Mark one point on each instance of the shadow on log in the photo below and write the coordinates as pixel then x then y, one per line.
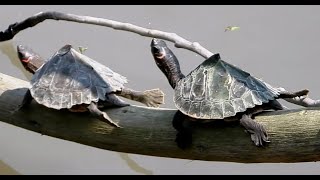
pixel 294 134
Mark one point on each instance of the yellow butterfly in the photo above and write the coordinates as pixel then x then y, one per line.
pixel 82 49
pixel 231 28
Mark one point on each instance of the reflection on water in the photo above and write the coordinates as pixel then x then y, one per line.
pixel 133 165
pixel 8 49
pixel 6 169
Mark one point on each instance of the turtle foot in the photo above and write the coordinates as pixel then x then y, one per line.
pixel 103 116
pixel 153 97
pixel 183 140
pixel 259 139
pixel 108 120
pixel 257 132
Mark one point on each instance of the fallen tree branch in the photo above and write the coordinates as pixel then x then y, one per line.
pixel 295 134
pixel 178 41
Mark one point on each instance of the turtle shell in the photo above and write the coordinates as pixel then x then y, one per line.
pixel 69 78
pixel 217 89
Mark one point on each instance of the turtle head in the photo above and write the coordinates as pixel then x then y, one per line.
pixel 30 60
pixel 158 48
pixel 166 61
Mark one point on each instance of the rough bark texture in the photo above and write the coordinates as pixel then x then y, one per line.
pixel 294 135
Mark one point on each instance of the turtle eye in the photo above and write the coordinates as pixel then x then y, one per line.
pixel 20 55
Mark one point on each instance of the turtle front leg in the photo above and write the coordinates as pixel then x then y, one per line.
pixel 184 127
pixel 258 133
pixel 103 116
pixel 152 98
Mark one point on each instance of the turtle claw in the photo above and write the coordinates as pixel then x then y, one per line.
pixel 259 139
pixel 103 116
pixel 108 120
pixel 257 132
pixel 153 97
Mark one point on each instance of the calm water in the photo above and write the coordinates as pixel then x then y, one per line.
pixel 279 44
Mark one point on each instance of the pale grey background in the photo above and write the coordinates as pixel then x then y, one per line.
pixel 279 44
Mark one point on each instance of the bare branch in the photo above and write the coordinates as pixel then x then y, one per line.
pixel 178 41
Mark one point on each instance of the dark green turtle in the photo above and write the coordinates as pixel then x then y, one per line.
pixel 217 90
pixel 71 80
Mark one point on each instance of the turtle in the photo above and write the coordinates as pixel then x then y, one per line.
pixel 217 90
pixel 73 81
